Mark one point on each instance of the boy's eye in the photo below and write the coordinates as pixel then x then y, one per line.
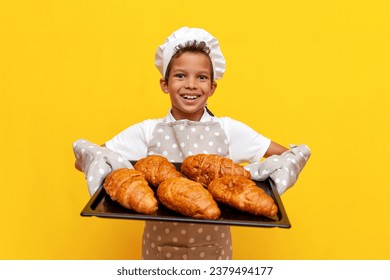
pixel 203 77
pixel 180 76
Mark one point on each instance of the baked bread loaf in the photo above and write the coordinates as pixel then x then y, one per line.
pixel 157 169
pixel 204 168
pixel 242 194
pixel 188 198
pixel 129 188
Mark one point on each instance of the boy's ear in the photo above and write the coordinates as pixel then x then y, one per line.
pixel 213 88
pixel 163 85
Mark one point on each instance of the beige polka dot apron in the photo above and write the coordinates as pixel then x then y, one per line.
pixel 182 241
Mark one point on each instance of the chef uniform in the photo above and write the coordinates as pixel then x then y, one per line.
pixel 175 140
pixel 164 240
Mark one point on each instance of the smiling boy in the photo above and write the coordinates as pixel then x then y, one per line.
pixel 189 61
pixel 189 81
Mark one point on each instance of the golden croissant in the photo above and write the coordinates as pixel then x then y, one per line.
pixel 204 168
pixel 188 198
pixel 157 169
pixel 242 194
pixel 129 188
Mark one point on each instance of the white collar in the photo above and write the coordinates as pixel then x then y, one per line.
pixel 205 117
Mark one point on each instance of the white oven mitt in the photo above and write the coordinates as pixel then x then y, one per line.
pixel 97 162
pixel 282 169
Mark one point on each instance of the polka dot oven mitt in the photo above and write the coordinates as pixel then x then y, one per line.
pixel 282 169
pixel 97 162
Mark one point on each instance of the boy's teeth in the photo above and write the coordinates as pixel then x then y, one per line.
pixel 190 96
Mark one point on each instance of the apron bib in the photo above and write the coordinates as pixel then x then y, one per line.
pixel 182 241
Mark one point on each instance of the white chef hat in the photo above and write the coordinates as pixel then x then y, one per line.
pixel 181 36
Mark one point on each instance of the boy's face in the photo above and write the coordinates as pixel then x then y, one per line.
pixel 189 85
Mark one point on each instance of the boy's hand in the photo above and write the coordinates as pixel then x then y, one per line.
pixel 96 162
pixel 282 169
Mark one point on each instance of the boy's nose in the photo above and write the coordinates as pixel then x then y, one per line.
pixel 191 83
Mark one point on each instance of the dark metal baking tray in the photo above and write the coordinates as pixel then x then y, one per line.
pixel 101 205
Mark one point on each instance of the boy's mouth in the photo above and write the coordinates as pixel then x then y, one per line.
pixel 190 96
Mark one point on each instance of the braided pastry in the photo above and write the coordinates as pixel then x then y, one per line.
pixel 204 168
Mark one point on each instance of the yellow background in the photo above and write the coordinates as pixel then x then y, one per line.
pixel 313 72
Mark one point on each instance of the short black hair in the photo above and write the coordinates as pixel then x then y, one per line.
pixel 189 46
